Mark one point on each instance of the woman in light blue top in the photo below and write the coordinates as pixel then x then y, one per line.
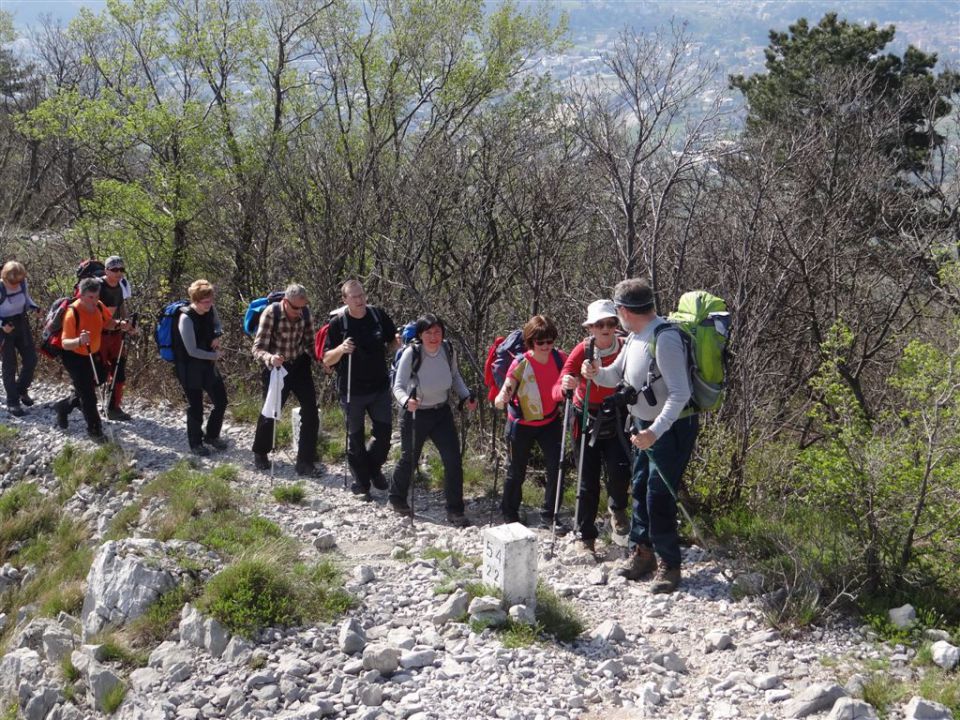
pixel 15 303
pixel 426 372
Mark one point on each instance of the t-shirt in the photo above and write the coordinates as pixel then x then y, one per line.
pixel 91 321
pixel 112 297
pixel 369 372
pixel 536 398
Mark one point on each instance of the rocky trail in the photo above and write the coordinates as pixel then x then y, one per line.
pixel 402 651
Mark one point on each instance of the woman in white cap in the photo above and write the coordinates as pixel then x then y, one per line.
pixel 610 446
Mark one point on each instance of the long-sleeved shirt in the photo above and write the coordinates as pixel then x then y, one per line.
pixel 671 387
pixel 433 380
pixel 289 338
pixel 188 336
pixel 15 302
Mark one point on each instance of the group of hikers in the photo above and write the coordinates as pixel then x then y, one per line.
pixel 626 384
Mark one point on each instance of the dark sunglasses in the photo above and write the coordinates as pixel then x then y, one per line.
pixel 605 324
pixel 117 270
pixel 543 342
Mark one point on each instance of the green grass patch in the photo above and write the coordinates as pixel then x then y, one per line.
pixel 557 617
pixel 270 589
pixel 115 648
pixel 202 507
pixel 124 522
pixel 8 435
pixel 114 699
pixel 101 468
pixel 70 672
pixel 518 635
pixel 290 494
pixel 882 691
pixel 160 619
pixel 9 711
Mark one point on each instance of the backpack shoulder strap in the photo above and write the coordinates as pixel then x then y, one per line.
pixel 417 360
pixel 450 352
pixel 557 358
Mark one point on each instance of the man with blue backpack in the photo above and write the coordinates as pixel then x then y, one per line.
pixel 358 339
pixel 284 339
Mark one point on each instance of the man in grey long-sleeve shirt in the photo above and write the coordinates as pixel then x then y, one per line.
pixel 654 362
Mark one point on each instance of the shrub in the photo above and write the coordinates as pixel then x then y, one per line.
pixel 290 494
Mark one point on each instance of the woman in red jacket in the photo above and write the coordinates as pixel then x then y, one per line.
pixel 610 447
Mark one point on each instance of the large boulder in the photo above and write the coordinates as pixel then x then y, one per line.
pixel 20 665
pixel 126 578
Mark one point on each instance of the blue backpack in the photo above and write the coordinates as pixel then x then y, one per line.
pixel 167 325
pixel 251 318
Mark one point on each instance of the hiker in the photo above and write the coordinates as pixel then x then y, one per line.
pixel 357 342
pixel 534 416
pixel 429 365
pixel 197 349
pixel 663 439
pixel 114 290
pixel 285 339
pixel 83 324
pixel 15 303
pixel 610 447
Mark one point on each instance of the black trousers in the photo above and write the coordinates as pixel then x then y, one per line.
pixel 299 381
pixel 211 383
pixel 609 453
pixel 84 387
pixel 520 439
pixel 366 459
pixel 20 340
pixel 435 424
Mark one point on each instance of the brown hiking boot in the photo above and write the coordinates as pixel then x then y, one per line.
pixel 642 562
pixel 666 581
pixel 619 521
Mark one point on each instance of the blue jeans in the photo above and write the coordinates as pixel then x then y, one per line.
pixel 654 503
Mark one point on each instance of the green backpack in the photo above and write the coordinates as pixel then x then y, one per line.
pixel 704 323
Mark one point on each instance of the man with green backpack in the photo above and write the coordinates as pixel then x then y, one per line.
pixel 666 373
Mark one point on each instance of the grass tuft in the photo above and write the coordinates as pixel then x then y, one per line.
pixel 114 699
pixel 290 494
pixel 557 617
pixel 518 635
pixel 160 619
pixel 101 468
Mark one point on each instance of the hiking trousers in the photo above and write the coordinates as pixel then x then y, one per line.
pixel 435 424
pixel 299 381
pixel 654 504
pixel 367 459
pixel 211 383
pixel 20 340
pixel 611 454
pixel 520 440
pixel 84 388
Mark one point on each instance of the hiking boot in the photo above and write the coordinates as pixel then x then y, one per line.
pixel 118 414
pixel 216 443
pixel 400 507
pixel 642 562
pixel 63 410
pixel 458 519
pixel 619 521
pixel 308 469
pixel 15 410
pixel 379 480
pixel 200 450
pixel 546 523
pixel 587 546
pixel 97 436
pixel 362 493
pixel 26 400
pixel 261 462
pixel 667 580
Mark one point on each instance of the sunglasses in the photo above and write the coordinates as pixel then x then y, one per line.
pixel 543 342
pixel 601 324
pixel 117 270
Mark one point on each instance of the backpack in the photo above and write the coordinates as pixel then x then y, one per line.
pixel 320 339
pixel 167 325
pixel 90 268
pixel 51 337
pixel 704 325
pixel 499 357
pixel 251 318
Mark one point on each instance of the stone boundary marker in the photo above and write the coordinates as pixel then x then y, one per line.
pixel 510 563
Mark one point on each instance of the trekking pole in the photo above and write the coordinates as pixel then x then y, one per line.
pixel 116 369
pixel 346 423
pixel 563 446
pixel 273 445
pixel 415 461
pixel 496 463
pixel 591 347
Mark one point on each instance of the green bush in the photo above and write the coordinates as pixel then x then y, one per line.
pixel 268 590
